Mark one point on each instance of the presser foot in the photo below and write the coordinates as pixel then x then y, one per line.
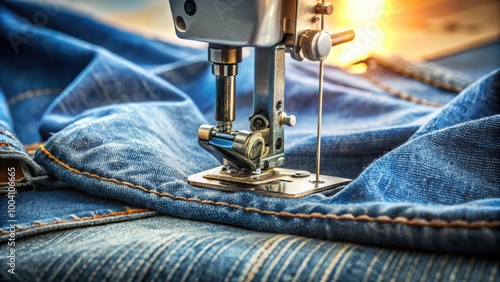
pixel 278 182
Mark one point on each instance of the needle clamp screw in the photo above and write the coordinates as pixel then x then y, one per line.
pixel 288 120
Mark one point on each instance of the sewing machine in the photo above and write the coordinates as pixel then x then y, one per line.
pixel 252 159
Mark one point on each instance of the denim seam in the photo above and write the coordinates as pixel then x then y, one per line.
pixel 6 144
pixel 348 217
pixel 418 76
pixel 39 224
pixel 32 146
pixel 7 133
pixel 32 93
pixel 399 94
pixel 7 147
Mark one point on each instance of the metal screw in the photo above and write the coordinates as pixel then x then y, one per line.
pixel 258 124
pixel 324 9
pixel 288 120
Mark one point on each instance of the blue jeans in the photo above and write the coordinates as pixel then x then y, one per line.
pixel 116 117
pixel 163 248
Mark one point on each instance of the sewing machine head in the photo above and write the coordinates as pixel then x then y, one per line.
pixel 274 27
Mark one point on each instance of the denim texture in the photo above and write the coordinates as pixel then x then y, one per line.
pixel 486 55
pixel 48 210
pixel 117 115
pixel 170 249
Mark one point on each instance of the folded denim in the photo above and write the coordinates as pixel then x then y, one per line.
pixel 118 115
pixel 163 248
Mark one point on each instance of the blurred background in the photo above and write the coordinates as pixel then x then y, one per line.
pixel 415 29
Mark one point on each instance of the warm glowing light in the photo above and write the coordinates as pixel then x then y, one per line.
pixel 363 10
pixel 359 68
pixel 371 21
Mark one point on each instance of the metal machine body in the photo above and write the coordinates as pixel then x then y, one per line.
pixel 251 159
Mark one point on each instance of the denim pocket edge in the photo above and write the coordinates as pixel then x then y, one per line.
pixel 81 219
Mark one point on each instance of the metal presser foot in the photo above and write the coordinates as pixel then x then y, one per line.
pixel 280 182
pixel 252 159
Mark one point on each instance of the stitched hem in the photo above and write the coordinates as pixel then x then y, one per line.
pixel 33 93
pixel 386 62
pixel 39 224
pixel 4 144
pixel 399 94
pixel 31 148
pixel 344 217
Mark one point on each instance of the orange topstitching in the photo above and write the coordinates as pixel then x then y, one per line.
pixel 348 217
pixel 75 219
pixel 4 144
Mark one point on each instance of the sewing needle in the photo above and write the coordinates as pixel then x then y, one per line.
pixel 320 109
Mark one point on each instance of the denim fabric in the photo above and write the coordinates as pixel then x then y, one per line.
pixel 169 249
pixel 48 210
pixel 13 153
pixel 475 62
pixel 118 116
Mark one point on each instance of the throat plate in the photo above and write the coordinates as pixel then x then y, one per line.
pixel 278 182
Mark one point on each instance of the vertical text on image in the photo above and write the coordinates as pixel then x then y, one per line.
pixel 11 212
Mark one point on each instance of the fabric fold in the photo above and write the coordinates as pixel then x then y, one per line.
pixel 118 116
